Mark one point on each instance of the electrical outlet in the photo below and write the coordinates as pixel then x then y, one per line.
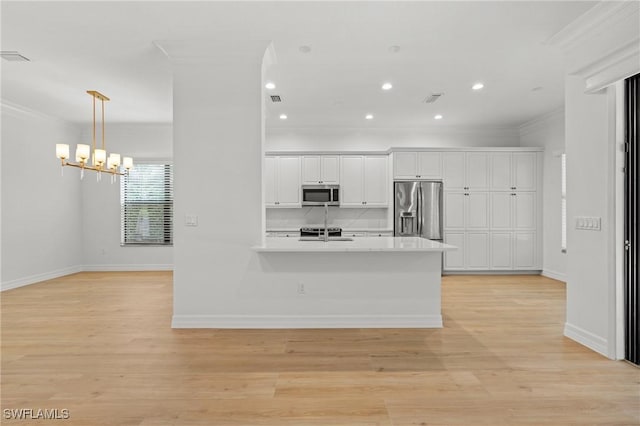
pixel 191 220
pixel 301 289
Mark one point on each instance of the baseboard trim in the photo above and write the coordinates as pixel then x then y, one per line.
pixel 306 321
pixel 493 272
pixel 554 275
pixel 32 279
pixel 586 338
pixel 128 268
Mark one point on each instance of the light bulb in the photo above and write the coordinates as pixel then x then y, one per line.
pixel 62 151
pixel 100 156
pixel 127 162
pixel 82 153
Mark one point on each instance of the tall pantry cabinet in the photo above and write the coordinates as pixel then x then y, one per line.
pixel 491 204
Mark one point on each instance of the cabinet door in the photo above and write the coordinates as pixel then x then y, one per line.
pixel 477 250
pixel 454 260
pixel 311 170
pixel 430 165
pixel 454 210
pixel 376 181
pixel 501 171
pixel 524 250
pixel 477 210
pixel 524 171
pixel 352 181
pixel 501 210
pixel 477 171
pixel 453 166
pixel 405 165
pixel 501 250
pixel 524 210
pixel 288 188
pixel 270 180
pixel 330 169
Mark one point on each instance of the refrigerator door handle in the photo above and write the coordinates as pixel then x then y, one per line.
pixel 419 210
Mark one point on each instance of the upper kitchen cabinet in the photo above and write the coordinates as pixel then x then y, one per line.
pixel 513 171
pixel 282 181
pixel 465 171
pixel 320 169
pixel 417 165
pixel 364 181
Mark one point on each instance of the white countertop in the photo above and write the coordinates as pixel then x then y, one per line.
pixel 385 244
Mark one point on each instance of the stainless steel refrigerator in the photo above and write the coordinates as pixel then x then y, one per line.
pixel 418 209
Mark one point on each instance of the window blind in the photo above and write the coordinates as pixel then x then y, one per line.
pixel 563 159
pixel 146 202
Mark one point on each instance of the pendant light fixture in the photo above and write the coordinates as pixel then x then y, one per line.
pixel 99 161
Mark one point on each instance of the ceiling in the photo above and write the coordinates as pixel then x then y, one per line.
pixel 443 47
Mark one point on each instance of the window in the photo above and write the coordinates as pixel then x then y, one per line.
pixel 563 159
pixel 146 204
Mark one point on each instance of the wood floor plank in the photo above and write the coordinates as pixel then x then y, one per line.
pixel 101 346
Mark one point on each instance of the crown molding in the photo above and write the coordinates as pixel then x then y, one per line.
pixel 426 129
pixel 22 111
pixel 599 18
pixel 541 121
pixel 617 65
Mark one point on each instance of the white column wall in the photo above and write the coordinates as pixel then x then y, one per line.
pixel 41 210
pixel 218 177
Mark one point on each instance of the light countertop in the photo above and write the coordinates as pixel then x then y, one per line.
pixel 378 244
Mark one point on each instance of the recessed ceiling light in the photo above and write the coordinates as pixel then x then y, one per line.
pixel 387 86
pixel 283 116
pixel 477 86
pixel 438 116
pixel 304 49
pixel 270 85
pixel 394 49
pixel 369 116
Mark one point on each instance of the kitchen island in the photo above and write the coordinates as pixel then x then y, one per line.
pixel 386 282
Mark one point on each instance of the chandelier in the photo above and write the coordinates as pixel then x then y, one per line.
pixel 99 161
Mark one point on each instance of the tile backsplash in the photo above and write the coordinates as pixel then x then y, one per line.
pixel 343 217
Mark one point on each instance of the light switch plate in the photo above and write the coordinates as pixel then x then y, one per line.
pixel 191 220
pixel 588 223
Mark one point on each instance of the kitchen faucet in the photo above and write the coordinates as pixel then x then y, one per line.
pixel 326 227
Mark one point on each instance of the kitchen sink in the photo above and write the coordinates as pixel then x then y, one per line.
pixel 322 239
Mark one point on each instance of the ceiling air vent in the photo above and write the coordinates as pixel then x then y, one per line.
pixel 275 98
pixel 432 98
pixel 12 55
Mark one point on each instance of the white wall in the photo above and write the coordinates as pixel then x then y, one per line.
pixel 547 132
pixel 602 47
pixel 374 139
pixel 41 210
pixel 101 201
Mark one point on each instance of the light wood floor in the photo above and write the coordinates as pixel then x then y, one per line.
pixel 101 346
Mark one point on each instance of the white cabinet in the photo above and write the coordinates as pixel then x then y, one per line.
pixel 320 169
pixel 513 171
pixel 513 210
pixel 417 165
pixel 466 210
pixel 364 181
pixel 514 250
pixel 380 234
pixel 465 171
pixel 282 181
pixel 284 234
pixel 472 252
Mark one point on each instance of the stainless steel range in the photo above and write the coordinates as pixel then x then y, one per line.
pixel 318 231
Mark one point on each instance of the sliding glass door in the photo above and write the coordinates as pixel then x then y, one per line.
pixel 632 293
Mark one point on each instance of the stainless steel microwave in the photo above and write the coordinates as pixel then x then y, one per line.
pixel 319 195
